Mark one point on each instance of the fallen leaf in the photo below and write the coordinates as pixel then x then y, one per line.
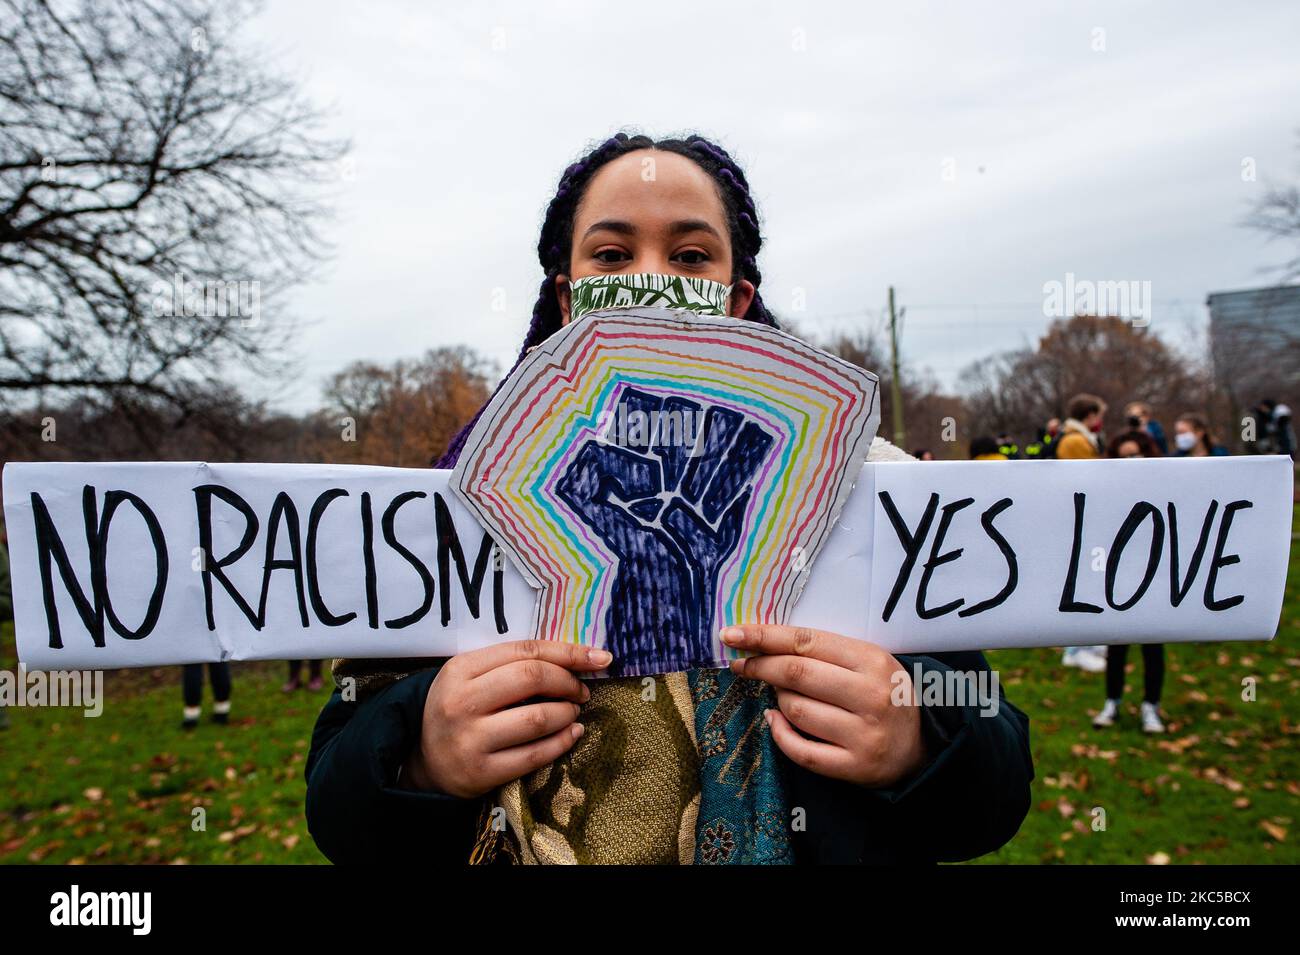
pixel 1274 830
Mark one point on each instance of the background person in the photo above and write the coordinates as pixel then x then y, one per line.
pixel 1138 416
pixel 6 603
pixel 1134 444
pixel 1081 441
pixel 985 448
pixel 1043 447
pixel 1081 431
pixel 295 676
pixel 1192 437
pixel 192 692
pixel 1275 433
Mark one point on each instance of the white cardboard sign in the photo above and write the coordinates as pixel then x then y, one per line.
pixel 127 564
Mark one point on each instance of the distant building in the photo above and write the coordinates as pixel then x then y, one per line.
pixel 1255 345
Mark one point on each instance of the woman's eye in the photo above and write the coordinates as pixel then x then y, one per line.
pixel 693 257
pixel 611 256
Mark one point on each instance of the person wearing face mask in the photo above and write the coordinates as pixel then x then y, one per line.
pixel 1137 414
pixel 504 754
pixel 1192 437
pixel 1081 431
pixel 1136 443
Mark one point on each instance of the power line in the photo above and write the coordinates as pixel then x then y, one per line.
pixel 1034 305
pixel 1183 317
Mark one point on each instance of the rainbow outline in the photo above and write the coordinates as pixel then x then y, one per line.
pixel 822 411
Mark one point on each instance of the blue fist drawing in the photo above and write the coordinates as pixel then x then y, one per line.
pixel 668 498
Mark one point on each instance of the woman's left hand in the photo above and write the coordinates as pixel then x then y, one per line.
pixel 839 691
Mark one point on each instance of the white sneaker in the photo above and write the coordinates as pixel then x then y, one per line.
pixel 1151 719
pixel 1069 657
pixel 1089 660
pixel 1106 717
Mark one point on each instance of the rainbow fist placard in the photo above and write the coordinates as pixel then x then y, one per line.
pixel 658 475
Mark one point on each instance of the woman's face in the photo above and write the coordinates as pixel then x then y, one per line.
pixel 1186 427
pixel 652 211
pixel 1129 449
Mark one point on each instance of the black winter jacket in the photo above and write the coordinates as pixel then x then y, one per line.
pixel 969 800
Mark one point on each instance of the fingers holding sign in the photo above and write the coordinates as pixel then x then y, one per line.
pixel 495 714
pixel 836 715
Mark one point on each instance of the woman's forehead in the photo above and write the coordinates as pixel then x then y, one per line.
pixel 651 185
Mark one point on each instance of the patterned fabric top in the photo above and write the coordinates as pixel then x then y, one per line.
pixel 742 818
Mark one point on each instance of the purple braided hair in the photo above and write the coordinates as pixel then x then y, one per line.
pixel 554 245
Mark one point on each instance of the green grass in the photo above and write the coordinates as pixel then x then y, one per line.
pixel 1219 787
pixel 123 787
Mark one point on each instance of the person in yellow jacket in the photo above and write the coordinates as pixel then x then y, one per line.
pixel 1081 432
pixel 1080 440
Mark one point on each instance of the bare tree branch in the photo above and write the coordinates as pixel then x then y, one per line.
pixel 157 185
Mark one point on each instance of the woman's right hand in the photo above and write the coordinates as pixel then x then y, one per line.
pixel 495 714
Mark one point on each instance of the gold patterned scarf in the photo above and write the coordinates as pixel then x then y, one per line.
pixel 627 792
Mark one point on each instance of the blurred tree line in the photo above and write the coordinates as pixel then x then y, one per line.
pixel 401 414
pixel 1110 357
pixel 1017 391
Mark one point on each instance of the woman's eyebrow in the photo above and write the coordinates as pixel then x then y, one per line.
pixel 683 226
pixel 611 225
pixel 680 227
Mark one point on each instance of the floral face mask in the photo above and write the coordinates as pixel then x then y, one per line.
pixel 594 292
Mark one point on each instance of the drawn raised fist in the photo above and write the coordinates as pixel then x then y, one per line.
pixel 666 489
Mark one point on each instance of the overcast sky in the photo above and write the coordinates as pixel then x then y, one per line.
pixel 1117 163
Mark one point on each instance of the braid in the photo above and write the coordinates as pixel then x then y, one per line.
pixel 554 245
pixel 742 215
pixel 556 239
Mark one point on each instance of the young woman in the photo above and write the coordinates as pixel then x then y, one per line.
pixel 1192 437
pixel 796 754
